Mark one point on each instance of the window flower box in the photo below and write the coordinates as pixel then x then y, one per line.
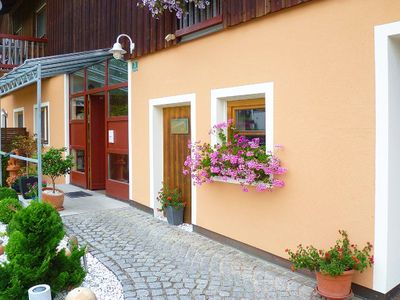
pixel 235 159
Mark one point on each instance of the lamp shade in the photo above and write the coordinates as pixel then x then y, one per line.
pixel 117 50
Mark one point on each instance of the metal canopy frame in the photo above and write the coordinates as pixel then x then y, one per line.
pixel 33 71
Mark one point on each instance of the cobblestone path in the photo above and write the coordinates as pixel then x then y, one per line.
pixel 156 261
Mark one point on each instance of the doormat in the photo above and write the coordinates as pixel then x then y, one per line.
pixel 77 194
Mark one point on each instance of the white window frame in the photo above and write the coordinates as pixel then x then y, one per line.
pixel 15 111
pixel 4 117
pixel 44 104
pixel 38 11
pixel 220 98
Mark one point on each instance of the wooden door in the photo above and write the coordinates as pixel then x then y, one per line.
pixel 176 137
pixel 117 150
pixel 96 142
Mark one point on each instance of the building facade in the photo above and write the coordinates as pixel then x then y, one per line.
pixel 319 77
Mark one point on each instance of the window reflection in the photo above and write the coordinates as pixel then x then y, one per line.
pixel 117 71
pixel 78 108
pixel 95 76
pixel 118 102
pixel 79 160
pixel 77 81
pixel 118 167
pixel 250 119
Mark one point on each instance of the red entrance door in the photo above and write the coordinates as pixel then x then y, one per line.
pixel 117 177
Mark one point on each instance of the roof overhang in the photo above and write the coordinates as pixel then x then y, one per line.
pixel 37 68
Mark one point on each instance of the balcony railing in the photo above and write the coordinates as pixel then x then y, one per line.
pixel 15 49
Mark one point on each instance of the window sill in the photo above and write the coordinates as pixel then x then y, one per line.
pixel 199 26
pixel 233 181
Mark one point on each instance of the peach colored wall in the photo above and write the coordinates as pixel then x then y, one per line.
pixel 52 92
pixel 320 57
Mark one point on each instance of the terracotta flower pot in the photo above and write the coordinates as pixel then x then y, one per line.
pixel 335 288
pixel 56 200
pixel 1 249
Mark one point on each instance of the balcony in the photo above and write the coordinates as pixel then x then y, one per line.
pixel 15 49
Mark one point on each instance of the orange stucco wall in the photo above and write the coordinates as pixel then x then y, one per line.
pixel 53 93
pixel 320 57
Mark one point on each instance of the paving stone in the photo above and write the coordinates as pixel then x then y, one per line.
pixel 156 261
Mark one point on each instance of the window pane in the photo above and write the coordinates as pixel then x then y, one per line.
pixel 78 108
pixel 79 160
pixel 250 119
pixel 45 124
pixel 117 71
pixel 118 102
pixel 76 82
pixel 19 119
pixel 41 23
pixel 95 76
pixel 118 167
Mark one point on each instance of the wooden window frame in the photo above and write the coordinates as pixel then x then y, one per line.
pixel 232 106
pixel 217 19
pixel 41 9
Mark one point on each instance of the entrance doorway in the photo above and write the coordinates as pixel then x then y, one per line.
pixel 96 144
pixel 176 135
pixel 99 128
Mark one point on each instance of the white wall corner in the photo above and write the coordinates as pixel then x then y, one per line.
pixel 130 131
pixel 66 121
pixel 386 274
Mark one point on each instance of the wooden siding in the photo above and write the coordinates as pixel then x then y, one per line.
pixel 82 25
pixel 239 11
pixel 8 135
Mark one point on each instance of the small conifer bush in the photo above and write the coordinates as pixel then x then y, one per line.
pixel 8 208
pixel 6 192
pixel 34 234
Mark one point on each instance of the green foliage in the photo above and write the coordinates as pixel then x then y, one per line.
pixel 169 197
pixel 55 165
pixel 334 262
pixel 6 192
pixel 4 170
pixel 27 146
pixel 34 234
pixel 8 208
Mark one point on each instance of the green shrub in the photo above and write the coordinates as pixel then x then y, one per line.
pixel 8 208
pixel 4 164
pixel 34 234
pixel 6 192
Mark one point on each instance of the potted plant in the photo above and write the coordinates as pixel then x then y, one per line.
pixel 32 190
pixel 25 145
pixel 55 165
pixel 334 268
pixel 172 204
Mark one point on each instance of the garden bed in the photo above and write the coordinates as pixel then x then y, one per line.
pixel 99 279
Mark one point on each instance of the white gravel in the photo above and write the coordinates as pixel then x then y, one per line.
pixel 99 279
pixel 3 258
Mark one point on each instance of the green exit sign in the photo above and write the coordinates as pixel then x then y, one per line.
pixel 135 66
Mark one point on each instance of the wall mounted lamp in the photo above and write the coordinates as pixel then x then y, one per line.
pixel 117 50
